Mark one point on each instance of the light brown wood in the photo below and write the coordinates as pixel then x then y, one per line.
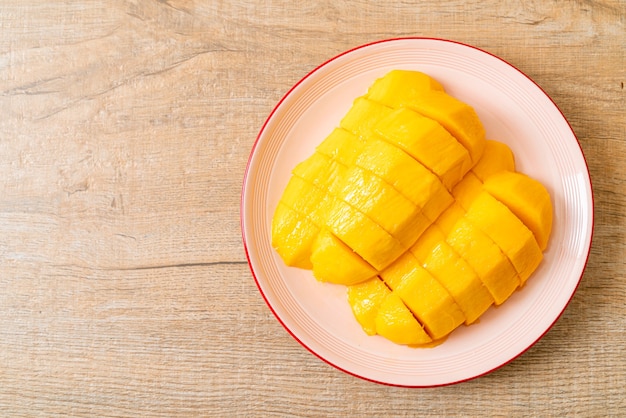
pixel 125 128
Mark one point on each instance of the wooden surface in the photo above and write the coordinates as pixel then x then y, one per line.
pixel 125 128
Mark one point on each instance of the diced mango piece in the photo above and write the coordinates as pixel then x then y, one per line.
pixel 459 118
pixel 398 87
pixel 449 217
pixel 460 280
pixel 429 301
pixel 342 146
pixel 483 255
pixel 321 171
pixel 496 157
pixel 515 240
pixel 303 197
pixel 293 236
pixel 426 243
pixel 395 322
pixel 335 262
pixel 363 235
pixel 385 205
pixel 467 189
pixel 527 198
pixel 363 116
pixel 407 175
pixel 428 142
pixel 365 300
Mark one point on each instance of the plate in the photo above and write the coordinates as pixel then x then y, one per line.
pixel 515 111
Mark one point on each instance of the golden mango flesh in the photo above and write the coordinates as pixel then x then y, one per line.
pixel 408 204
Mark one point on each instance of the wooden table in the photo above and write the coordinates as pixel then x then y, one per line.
pixel 125 128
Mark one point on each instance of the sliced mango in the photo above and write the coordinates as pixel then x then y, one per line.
pixel 321 171
pixel 527 198
pixel 335 262
pixel 304 198
pixel 395 322
pixel 342 146
pixel 398 87
pixel 407 175
pixel 408 204
pixel 459 118
pixel 293 236
pixel 429 301
pixel 363 235
pixel 459 278
pixel 496 157
pixel 428 142
pixel 385 205
pixel 449 217
pixel 365 300
pixel 483 255
pixel 467 189
pixel 515 240
pixel 363 116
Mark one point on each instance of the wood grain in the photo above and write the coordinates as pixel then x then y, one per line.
pixel 125 128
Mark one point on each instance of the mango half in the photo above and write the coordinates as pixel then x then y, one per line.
pixel 408 204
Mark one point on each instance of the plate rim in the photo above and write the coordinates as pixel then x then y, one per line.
pixel 253 153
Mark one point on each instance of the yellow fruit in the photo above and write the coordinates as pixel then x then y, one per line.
pixel 334 262
pixel 363 116
pixel 321 171
pixel 449 217
pixel 408 204
pixel 395 322
pixel 483 255
pixel 342 146
pixel 304 198
pixel 383 204
pixel 508 232
pixel 398 87
pixel 496 157
pixel 459 118
pixel 364 236
pixel 293 236
pixel 467 189
pixel 461 281
pixel 428 142
pixel 527 198
pixel 407 175
pixel 365 300
pixel 427 242
pixel 429 301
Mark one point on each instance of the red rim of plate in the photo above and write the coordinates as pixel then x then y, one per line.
pixel 242 221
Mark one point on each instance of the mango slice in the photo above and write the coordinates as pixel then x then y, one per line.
pixel 508 232
pixel 457 117
pixel 364 236
pixel 293 236
pixel 342 146
pixel 363 117
pixel 365 300
pixel 428 142
pixel 382 203
pixel 527 199
pixel 492 267
pixel 496 157
pixel 407 175
pixel 459 279
pixel 398 87
pixel 321 171
pixel 426 298
pixel 334 262
pixel 395 322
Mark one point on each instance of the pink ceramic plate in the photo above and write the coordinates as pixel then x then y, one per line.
pixel 514 110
